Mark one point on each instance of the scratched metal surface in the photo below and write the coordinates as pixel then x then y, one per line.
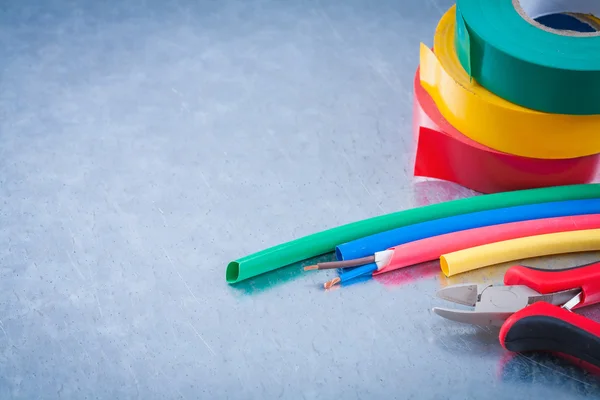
pixel 144 144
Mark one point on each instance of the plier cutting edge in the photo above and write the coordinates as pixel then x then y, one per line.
pixel 533 309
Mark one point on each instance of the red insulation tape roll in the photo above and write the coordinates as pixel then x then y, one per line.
pixel 445 153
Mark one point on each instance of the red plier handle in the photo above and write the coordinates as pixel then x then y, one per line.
pixel 545 327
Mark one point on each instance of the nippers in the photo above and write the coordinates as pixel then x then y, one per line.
pixel 533 310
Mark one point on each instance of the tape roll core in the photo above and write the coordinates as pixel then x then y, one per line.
pixel 529 10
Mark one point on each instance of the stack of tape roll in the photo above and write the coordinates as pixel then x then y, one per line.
pixel 503 102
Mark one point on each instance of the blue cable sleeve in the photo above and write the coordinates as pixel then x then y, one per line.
pixel 359 271
pixel 369 245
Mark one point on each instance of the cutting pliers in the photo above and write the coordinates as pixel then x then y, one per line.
pixel 533 310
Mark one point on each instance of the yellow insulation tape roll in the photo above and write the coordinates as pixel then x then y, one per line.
pixel 493 121
pixel 517 249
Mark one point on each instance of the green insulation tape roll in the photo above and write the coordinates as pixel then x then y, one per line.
pixel 505 50
pixel 325 242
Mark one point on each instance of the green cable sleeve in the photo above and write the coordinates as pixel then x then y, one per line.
pixel 324 242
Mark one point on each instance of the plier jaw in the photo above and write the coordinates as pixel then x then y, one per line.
pixel 533 309
pixel 494 304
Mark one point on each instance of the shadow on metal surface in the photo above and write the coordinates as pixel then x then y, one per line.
pixel 280 276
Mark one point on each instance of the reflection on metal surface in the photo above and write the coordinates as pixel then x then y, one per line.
pixel 554 372
pixel 428 191
pixel 411 274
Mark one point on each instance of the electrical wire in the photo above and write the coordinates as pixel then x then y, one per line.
pixel 341 264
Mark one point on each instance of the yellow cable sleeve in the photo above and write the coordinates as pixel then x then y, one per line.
pixel 493 121
pixel 517 249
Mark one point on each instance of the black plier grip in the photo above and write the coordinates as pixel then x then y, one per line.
pixel 533 308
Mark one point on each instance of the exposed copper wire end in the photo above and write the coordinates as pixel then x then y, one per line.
pixel 311 267
pixel 331 283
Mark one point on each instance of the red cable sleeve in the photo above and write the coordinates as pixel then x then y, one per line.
pixel 432 248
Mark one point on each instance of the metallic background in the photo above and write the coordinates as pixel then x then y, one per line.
pixel 145 143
